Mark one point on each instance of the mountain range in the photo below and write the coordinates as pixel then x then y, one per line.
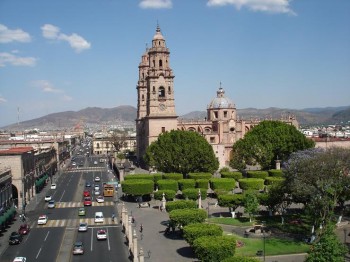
pixel 126 115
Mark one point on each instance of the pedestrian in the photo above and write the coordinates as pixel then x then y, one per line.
pixel 113 216
pixel 132 220
pixel 141 228
pixel 149 205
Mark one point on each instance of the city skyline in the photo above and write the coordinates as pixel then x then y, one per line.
pixel 65 56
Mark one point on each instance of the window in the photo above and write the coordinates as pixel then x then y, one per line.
pixel 143 97
pixel 163 129
pixel 212 139
pixel 215 115
pixel 154 89
pixel 161 92
pixel 154 63
pixel 169 89
pixel 98 145
pixel 225 113
pixel 160 63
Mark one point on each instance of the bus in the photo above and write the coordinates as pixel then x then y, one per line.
pixel 108 190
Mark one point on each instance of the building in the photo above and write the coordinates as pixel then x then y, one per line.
pixel 156 108
pixel 6 201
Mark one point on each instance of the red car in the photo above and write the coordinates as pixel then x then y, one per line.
pixel 24 229
pixel 87 201
pixel 86 193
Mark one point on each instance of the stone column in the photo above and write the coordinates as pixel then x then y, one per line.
pixel 163 202
pixel 135 253
pixel 121 174
pixel 141 255
pixel 130 234
pixel 199 199
pixel 278 164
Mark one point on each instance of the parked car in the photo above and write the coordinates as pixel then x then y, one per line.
pixel 15 238
pixel 24 229
pixel 78 248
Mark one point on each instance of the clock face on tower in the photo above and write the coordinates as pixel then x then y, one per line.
pixel 162 107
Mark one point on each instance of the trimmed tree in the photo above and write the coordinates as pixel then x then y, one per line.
pixel 186 183
pixel 181 204
pixel 194 231
pixel 167 184
pixel 231 201
pixel 251 204
pixel 192 193
pixel 137 187
pixel 184 217
pixel 168 194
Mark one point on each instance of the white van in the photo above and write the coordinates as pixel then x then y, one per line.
pixel 99 217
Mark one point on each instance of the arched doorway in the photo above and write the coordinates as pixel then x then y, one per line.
pixel 15 195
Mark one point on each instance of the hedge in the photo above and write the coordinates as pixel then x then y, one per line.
pixel 167 184
pixel 214 248
pixel 202 183
pixel 222 183
pixel 199 175
pixel 157 177
pixel 194 231
pixel 173 176
pixel 192 193
pixel 169 195
pixel 184 217
pixel 236 175
pixel 186 183
pixel 137 187
pixel 273 180
pixel 275 172
pixel 139 176
pixel 241 259
pixel 234 200
pixel 181 204
pixel 251 183
pixel 257 174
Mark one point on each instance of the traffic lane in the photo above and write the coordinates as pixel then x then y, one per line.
pixel 70 188
pixel 51 244
pixel 61 213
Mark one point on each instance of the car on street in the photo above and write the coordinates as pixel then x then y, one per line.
pixel 15 238
pixel 87 184
pixel 99 217
pixel 53 186
pixel 86 193
pixel 51 204
pixel 74 164
pixel 81 211
pixel 97 179
pixel 95 162
pixel 100 199
pixel 97 193
pixel 87 201
pixel 78 248
pixel 42 220
pixel 96 187
pixel 20 259
pixel 83 227
pixel 101 234
pixel 48 198
pixel 24 229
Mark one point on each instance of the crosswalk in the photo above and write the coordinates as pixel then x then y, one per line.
pixel 81 204
pixel 85 169
pixel 74 223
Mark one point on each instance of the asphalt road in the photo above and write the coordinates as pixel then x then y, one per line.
pixel 54 241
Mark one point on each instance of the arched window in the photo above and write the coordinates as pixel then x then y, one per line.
pixel 154 89
pixel 169 90
pixel 160 63
pixel 161 92
pixel 143 97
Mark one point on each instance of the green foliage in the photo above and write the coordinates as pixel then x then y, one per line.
pixel 233 201
pixel 181 152
pixel 268 141
pixel 328 248
pixel 275 172
pixel 224 169
pixel 194 231
pixel 222 183
pixel 157 177
pixel 139 176
pixel 235 175
pixel 251 203
pixel 273 180
pixel 173 176
pixel 192 193
pixel 137 187
pixel 184 217
pixel 251 183
pixel 121 156
pixel 257 174
pixel 196 176
pixel 202 183
pixel 167 185
pixel 168 194
pixel 186 183
pixel 241 259
pixel 181 204
pixel 214 248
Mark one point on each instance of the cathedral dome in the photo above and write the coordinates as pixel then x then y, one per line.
pixel 220 101
pixel 158 35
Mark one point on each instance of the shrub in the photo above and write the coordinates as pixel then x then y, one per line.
pixel 275 172
pixel 214 248
pixel 157 177
pixel 194 231
pixel 139 176
pixel 241 259
pixel 222 183
pixel 180 204
pixel 251 183
pixel 225 169
pixel 184 217
pixel 173 176
pixel 199 175
pixel 273 180
pixel 192 193
pixel 167 184
pixel 168 194
pixel 137 187
pixel 202 183
pixel 186 183
pixel 233 201
pixel 257 174
pixel 236 175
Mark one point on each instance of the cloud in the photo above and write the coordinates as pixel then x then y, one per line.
pixel 7 58
pixel 269 6
pixel 2 99
pixel 46 86
pixel 155 4
pixel 67 98
pixel 16 35
pixel 77 42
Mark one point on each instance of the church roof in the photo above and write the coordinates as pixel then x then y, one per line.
pixel 220 101
pixel 158 35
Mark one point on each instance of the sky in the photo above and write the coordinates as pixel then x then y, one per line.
pixel 67 55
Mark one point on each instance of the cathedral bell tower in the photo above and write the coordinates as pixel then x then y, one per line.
pixel 155 90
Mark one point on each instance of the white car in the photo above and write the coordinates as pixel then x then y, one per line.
pixel 20 259
pixel 97 187
pixel 97 193
pixel 48 198
pixel 53 186
pixel 83 227
pixel 101 234
pixel 42 220
pixel 97 179
pixel 95 163
pixel 100 199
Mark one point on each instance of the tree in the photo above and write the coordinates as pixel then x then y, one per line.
pixel 181 152
pixel 194 231
pixel 320 180
pixel 328 248
pixel 119 140
pixel 268 141
pixel 251 204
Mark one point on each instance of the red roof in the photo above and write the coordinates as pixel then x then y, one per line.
pixel 16 150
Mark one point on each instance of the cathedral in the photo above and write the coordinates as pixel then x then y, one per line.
pixel 156 107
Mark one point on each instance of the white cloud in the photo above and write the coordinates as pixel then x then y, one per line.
pixel 2 99
pixel 155 4
pixel 7 58
pixel 77 42
pixel 270 6
pixel 67 98
pixel 46 86
pixel 8 35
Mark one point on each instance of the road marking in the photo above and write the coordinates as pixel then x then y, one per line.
pixel 62 195
pixel 38 254
pixel 109 246
pixel 92 237
pixel 48 232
